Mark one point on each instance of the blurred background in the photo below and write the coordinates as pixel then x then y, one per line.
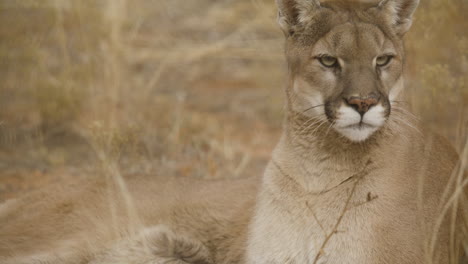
pixel 177 87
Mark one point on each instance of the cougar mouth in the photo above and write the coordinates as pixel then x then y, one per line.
pixel 358 132
pixel 356 127
pixel 361 125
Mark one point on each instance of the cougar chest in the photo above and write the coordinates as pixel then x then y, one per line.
pixel 332 227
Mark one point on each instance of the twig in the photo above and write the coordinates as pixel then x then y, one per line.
pixel 316 218
pixel 338 222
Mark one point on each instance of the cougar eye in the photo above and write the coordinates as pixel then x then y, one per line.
pixel 383 60
pixel 328 61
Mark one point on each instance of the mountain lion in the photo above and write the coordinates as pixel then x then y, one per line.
pixel 353 179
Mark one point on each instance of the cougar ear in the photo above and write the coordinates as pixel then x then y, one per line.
pixel 293 12
pixel 399 13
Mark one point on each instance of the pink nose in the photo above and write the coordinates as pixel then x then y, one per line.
pixel 361 104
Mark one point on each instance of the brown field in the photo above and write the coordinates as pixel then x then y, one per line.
pixel 177 87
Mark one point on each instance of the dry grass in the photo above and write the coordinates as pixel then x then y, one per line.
pixel 166 86
pixel 177 87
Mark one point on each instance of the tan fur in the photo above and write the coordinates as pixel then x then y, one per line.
pixel 328 195
pixel 89 221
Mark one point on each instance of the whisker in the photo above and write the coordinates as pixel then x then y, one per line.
pixel 312 107
pixel 330 126
pixel 405 122
pixel 403 115
pixel 308 122
pixel 316 129
pixel 403 109
pixel 317 121
pixel 405 112
pixel 397 101
pixel 397 129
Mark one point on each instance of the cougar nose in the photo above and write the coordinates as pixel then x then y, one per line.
pixel 362 104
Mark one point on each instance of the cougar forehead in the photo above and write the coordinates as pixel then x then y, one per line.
pixel 353 41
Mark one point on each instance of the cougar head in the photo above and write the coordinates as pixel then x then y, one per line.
pixel 345 61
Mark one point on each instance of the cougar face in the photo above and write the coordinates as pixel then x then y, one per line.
pixel 345 61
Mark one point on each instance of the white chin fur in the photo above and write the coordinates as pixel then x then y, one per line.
pixel 357 134
pixel 348 120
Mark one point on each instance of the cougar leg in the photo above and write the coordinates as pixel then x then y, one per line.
pixel 155 245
